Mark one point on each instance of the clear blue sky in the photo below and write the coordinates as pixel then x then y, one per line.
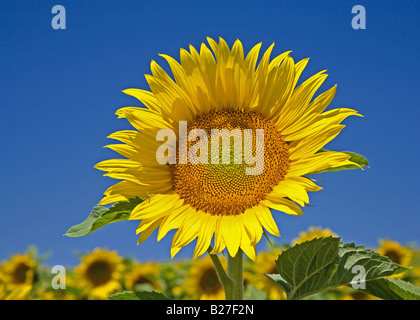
pixel 59 90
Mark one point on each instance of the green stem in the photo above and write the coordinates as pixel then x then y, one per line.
pixel 232 282
pixel 223 278
pixel 235 273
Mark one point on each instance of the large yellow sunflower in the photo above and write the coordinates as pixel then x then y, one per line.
pixel 99 273
pixel 223 91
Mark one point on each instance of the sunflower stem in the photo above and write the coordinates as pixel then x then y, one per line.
pixel 221 273
pixel 235 273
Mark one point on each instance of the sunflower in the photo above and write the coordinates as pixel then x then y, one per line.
pixel 416 274
pixel 347 293
pixel 19 271
pixel 2 289
pixel 223 190
pixel 54 294
pixel 99 273
pixel 143 275
pixel 265 264
pixel 202 281
pixel 21 292
pixel 312 233
pixel 396 253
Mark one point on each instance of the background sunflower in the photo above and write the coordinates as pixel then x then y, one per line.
pixel 202 281
pixel 99 273
pixel 19 271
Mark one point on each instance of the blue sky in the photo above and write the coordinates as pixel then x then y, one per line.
pixel 59 90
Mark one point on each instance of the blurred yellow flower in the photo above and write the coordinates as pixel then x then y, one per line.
pixel 396 253
pixel 143 274
pixel 54 294
pixel 265 264
pixel 202 281
pixel 21 292
pixel 312 233
pixel 2 291
pixel 99 273
pixel 19 271
pixel 351 294
pixel 416 272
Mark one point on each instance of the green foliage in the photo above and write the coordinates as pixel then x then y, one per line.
pixel 255 294
pixel 326 263
pixel 394 289
pixel 140 295
pixel 101 216
pixel 354 157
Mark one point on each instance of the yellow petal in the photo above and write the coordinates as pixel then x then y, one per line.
pixel 313 143
pixel 205 235
pixel 253 227
pixel 144 119
pixel 283 205
pixel 146 97
pixel 117 165
pixel 317 162
pixel 299 101
pixel 175 219
pixel 248 247
pixel 176 103
pixel 289 189
pixel 147 232
pixel 231 233
pixel 177 70
pixel 174 251
pixel 219 243
pixel 265 217
pixel 189 230
pixel 154 205
pixel 252 57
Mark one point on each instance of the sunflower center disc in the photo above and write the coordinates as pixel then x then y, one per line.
pixel 99 272
pixel 227 189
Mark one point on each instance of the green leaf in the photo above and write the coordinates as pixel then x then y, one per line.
pixel 125 295
pixel 306 265
pixel 253 293
pixel 140 295
pixel 325 263
pixel 278 280
pixel 101 216
pixel 354 157
pixel 393 289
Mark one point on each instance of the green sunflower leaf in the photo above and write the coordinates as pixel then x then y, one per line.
pixel 326 263
pixel 101 216
pixel 140 295
pixel 393 289
pixel 354 157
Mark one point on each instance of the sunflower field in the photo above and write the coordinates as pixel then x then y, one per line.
pixel 103 274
